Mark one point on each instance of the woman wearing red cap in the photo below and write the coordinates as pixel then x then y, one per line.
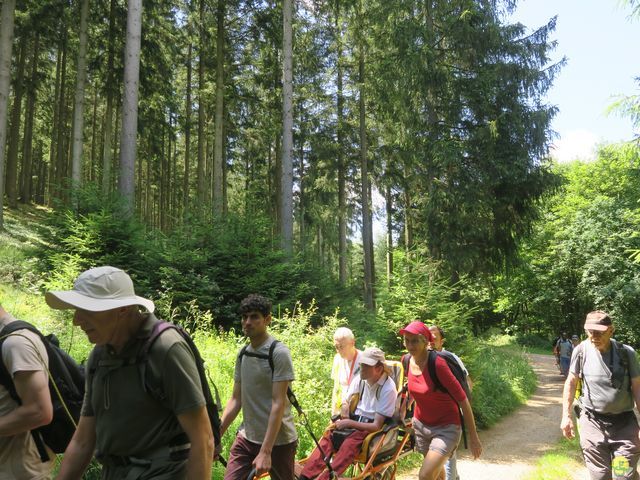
pixel 436 420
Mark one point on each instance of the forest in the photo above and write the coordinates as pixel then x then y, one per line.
pixel 214 149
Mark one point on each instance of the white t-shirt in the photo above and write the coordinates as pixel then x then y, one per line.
pixel 377 398
pixel 19 458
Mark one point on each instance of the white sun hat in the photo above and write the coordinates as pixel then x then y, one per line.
pixel 97 290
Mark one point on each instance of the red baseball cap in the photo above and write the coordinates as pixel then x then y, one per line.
pixel 418 328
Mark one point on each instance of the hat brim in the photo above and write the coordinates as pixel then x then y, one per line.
pixel 597 327
pixel 66 300
pixel 368 361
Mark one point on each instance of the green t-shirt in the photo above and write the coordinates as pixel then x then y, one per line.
pixel 130 421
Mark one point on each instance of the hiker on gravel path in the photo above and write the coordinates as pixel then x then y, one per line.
pixel 436 418
pixel 451 467
pixel 610 385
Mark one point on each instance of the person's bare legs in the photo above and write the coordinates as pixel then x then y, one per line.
pixel 432 466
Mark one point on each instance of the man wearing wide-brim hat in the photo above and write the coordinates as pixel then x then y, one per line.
pixel 135 434
pixel 610 386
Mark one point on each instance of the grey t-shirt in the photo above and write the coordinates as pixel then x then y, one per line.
pixel 254 376
pixel 565 348
pixel 598 390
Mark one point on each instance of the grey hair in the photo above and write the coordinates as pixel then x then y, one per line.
pixel 343 333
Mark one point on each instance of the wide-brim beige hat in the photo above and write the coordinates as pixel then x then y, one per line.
pixel 97 290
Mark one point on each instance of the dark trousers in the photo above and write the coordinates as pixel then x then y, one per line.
pixel 603 438
pixel 243 453
pixel 347 452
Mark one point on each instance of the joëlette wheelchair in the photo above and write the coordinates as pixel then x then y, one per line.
pixel 380 450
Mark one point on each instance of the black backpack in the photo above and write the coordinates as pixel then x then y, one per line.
pixel 211 404
pixel 457 371
pixel 66 387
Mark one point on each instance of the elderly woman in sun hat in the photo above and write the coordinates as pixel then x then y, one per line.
pixel 134 433
pixel 436 418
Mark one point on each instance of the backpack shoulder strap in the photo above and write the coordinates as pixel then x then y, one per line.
pixel 263 356
pixel 433 373
pixel 406 361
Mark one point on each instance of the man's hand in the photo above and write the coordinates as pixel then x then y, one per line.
pixel 566 425
pixel 262 463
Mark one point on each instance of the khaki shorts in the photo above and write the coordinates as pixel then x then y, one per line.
pixel 443 439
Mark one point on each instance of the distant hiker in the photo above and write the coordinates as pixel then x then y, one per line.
pixel 143 419
pixel 575 341
pixel 376 403
pixel 610 385
pixel 436 419
pixel 267 438
pixel 556 351
pixel 564 348
pixel 345 366
pixel 25 358
pixel 437 333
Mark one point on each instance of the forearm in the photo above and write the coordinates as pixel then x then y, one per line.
pixel 469 419
pixel 23 419
pixel 568 393
pixel 273 426
pixel 75 460
pixel 230 413
pixel 200 459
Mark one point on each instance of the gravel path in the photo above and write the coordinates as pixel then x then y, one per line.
pixel 512 447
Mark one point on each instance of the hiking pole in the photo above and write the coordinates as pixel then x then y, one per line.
pixel 252 474
pixel 305 421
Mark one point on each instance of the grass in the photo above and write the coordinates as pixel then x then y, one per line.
pixel 559 463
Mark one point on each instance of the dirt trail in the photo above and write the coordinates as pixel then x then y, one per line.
pixel 512 447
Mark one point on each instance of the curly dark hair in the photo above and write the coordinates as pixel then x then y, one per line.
pixel 255 303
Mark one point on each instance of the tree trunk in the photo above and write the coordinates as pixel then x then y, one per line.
pixel 27 150
pixel 78 111
pixel 389 207
pixel 187 137
pixel 11 183
pixel 54 132
pixel 94 140
pixel 107 144
pixel 342 191
pixel 286 177
pixel 128 135
pixel 367 234
pixel 218 152
pixel 201 113
pixel 62 121
pixel 6 42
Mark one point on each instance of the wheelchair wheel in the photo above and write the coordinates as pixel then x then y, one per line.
pixel 387 473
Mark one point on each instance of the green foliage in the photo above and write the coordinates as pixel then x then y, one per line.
pixel 199 265
pixel 419 291
pixel 578 258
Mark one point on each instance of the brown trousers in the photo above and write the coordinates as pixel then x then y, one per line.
pixel 243 452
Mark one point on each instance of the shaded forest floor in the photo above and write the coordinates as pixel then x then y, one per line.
pixel 512 448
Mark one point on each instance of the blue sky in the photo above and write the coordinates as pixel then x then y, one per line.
pixel 602 47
